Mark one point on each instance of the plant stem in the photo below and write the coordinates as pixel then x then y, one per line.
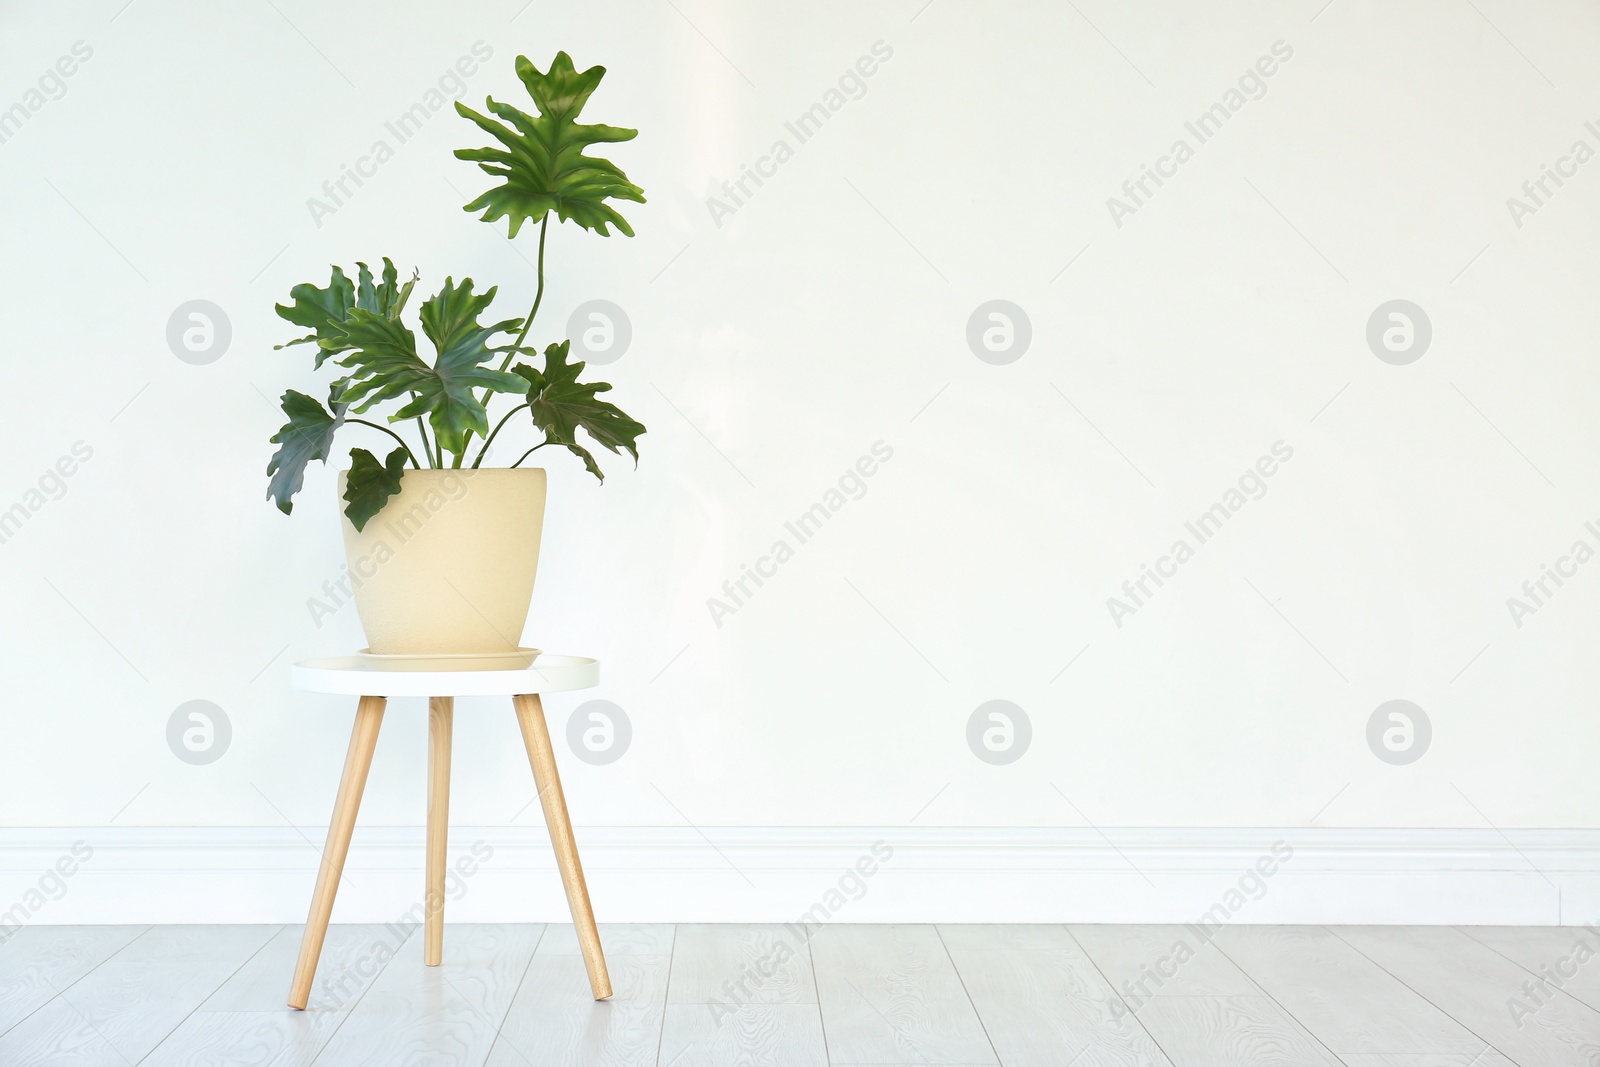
pixel 423 430
pixel 538 297
pixel 409 454
pixel 544 224
pixel 528 453
pixel 485 450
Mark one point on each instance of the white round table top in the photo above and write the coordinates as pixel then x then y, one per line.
pixel 444 676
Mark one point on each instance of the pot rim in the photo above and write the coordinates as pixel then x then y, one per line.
pixel 467 471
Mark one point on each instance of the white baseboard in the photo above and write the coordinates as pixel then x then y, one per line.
pixel 678 874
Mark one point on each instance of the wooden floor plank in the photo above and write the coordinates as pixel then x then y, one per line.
pixel 37 962
pixel 1568 955
pixel 284 1038
pixel 448 1014
pixel 248 1020
pixel 731 965
pixel 890 994
pixel 1042 999
pixel 1231 1032
pixel 352 957
pixel 1425 1059
pixel 1475 986
pixel 752 1035
pixel 199 943
pixel 57 1034
pixel 555 1019
pixel 1344 999
pixel 1145 961
pixel 135 999
pixel 617 939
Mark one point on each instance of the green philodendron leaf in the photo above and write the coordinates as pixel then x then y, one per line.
pixel 384 363
pixel 306 436
pixel 370 484
pixel 542 164
pixel 388 297
pixel 323 311
pixel 319 310
pixel 560 404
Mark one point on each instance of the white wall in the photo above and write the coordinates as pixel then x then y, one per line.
pixel 827 313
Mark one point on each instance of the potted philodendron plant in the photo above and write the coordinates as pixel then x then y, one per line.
pixel 443 551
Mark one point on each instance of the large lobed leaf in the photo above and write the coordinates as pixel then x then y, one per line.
pixel 324 311
pixel 384 364
pixel 308 435
pixel 561 404
pixel 370 484
pixel 542 164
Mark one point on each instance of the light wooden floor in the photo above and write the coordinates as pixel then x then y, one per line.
pixel 885 995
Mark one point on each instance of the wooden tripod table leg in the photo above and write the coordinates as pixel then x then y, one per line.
pixel 357 761
pixel 441 712
pixel 536 736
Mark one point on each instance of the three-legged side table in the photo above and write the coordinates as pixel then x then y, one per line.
pixel 374 684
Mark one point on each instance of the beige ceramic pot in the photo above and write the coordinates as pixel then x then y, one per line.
pixel 448 565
